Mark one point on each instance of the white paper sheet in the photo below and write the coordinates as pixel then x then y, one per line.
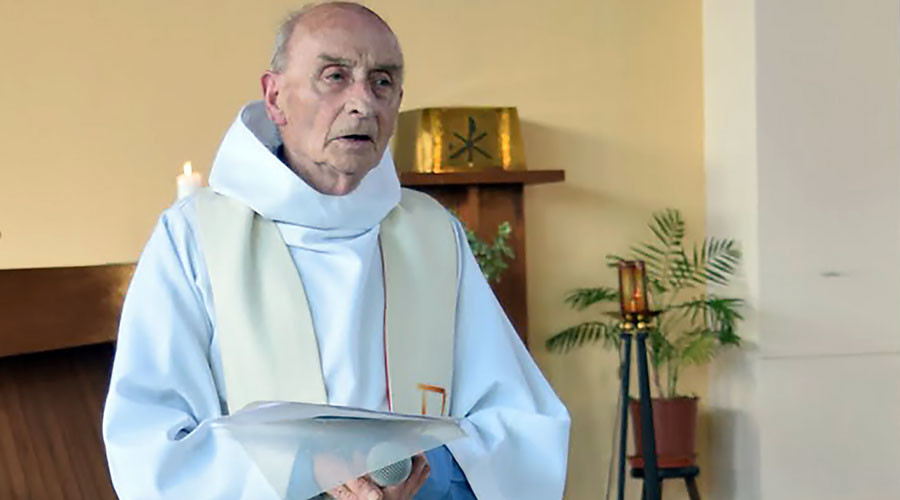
pixel 304 449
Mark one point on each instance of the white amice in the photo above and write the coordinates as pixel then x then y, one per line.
pixel 168 380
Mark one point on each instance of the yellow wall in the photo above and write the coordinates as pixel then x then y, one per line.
pixel 103 100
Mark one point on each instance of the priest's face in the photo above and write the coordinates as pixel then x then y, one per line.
pixel 336 99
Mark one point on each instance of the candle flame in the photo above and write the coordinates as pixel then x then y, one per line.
pixel 187 168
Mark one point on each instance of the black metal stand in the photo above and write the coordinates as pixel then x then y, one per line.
pixel 648 436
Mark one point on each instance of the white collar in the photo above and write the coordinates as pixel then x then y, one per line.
pixel 247 168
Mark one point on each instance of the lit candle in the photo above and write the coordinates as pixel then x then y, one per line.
pixel 632 287
pixel 188 182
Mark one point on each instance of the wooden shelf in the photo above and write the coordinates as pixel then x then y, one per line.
pixel 483 177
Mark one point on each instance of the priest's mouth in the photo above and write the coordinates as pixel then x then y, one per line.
pixel 355 140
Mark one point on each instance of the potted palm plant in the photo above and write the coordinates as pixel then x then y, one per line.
pixel 694 323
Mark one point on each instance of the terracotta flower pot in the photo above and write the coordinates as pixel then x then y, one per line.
pixel 675 425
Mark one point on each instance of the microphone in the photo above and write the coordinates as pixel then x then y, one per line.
pixel 391 474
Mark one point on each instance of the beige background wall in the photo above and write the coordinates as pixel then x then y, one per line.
pixel 802 152
pixel 103 100
pixel 729 97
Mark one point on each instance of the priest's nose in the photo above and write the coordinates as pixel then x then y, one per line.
pixel 360 101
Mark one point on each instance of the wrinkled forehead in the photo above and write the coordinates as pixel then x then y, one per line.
pixel 350 34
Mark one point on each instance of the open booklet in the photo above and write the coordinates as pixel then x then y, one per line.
pixel 304 449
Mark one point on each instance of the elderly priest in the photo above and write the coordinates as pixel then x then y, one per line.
pixel 305 273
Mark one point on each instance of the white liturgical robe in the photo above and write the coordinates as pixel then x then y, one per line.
pixel 167 379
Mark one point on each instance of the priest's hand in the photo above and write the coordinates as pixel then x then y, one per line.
pixel 408 489
pixel 365 489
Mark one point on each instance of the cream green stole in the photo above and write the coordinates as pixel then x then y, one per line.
pixel 264 329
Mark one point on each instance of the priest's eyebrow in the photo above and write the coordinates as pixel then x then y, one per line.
pixel 342 61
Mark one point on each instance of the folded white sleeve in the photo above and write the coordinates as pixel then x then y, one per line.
pixel 518 428
pixel 162 388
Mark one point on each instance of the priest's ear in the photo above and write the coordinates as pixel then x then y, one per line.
pixel 270 87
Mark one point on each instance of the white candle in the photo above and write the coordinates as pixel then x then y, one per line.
pixel 188 182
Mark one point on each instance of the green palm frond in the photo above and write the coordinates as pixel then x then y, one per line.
pixel 582 298
pixel 714 312
pixel 662 256
pixel 668 226
pixel 661 349
pixel 612 260
pixel 716 261
pixel 591 331
pixel 655 259
pixel 727 336
pixel 699 348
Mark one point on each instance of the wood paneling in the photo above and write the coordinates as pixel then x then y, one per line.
pixel 51 398
pixel 50 413
pixel 53 308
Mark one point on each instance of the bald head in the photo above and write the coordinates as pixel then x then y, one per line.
pixel 312 16
pixel 333 91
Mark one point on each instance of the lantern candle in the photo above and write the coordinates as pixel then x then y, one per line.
pixel 632 287
pixel 188 182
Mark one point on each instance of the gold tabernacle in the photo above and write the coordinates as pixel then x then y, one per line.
pixel 460 139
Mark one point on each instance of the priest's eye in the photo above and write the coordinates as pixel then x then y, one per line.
pixel 334 77
pixel 382 85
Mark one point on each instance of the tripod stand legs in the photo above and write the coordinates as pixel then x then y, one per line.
pixel 652 490
pixel 644 491
pixel 648 435
pixel 625 377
